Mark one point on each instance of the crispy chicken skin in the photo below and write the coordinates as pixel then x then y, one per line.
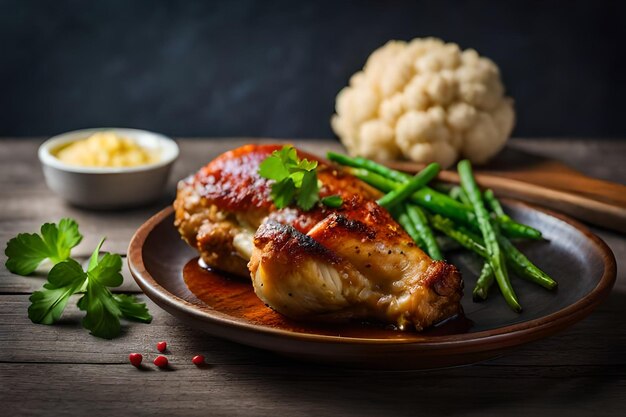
pixel 354 262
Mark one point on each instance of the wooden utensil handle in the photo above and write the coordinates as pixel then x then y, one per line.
pixel 576 183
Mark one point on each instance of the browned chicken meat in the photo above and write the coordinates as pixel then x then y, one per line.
pixel 352 262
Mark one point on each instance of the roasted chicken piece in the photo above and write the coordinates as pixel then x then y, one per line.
pixel 353 262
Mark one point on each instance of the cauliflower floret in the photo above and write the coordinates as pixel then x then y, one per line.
pixel 377 141
pixel 427 101
pixel 359 104
pixel 392 108
pixel 441 87
pixel 461 116
pixel 489 133
pixel 414 96
pixel 426 136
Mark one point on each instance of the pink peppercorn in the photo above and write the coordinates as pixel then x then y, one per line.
pixel 198 360
pixel 161 361
pixel 135 359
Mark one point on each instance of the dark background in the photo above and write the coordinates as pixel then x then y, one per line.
pixel 273 68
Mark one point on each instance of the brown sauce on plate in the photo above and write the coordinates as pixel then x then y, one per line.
pixel 235 297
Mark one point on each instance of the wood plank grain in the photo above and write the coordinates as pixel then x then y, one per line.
pixel 602 159
pixel 305 390
pixel 594 341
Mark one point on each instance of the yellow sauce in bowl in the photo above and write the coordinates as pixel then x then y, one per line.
pixel 106 149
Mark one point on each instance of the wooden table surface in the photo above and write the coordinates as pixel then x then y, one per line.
pixel 62 370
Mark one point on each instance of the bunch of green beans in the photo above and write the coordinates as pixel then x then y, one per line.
pixel 473 219
pixel 495 257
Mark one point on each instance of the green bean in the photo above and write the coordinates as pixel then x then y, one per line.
pixel 359 162
pixel 520 230
pixel 447 227
pixel 442 204
pixel 464 198
pixel 493 203
pixel 496 259
pixel 402 192
pixel 459 195
pixel 523 266
pixel 472 235
pixel 485 281
pixel 404 220
pixel 455 193
pixel 375 180
pixel 514 230
pixel 418 218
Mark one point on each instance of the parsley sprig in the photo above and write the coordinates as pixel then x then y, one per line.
pixel 104 309
pixel 27 250
pixel 295 180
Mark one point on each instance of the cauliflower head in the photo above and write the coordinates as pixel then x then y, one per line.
pixel 427 101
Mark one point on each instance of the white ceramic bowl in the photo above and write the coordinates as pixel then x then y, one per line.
pixel 106 188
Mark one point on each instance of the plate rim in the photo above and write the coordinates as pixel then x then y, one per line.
pixel 500 337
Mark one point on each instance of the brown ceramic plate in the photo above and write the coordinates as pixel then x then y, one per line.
pixel 582 264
